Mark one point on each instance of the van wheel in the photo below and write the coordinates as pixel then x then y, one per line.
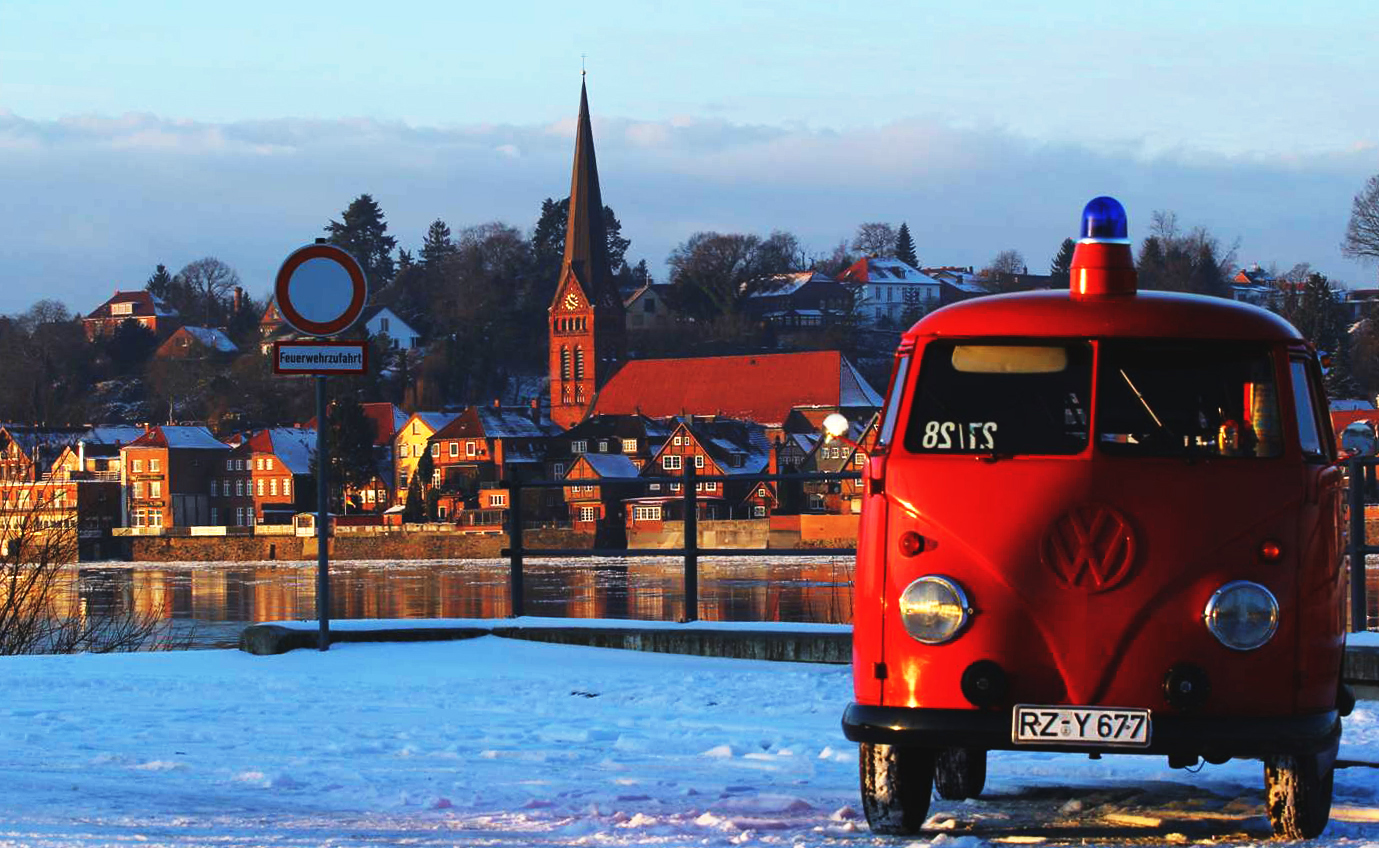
pixel 960 773
pixel 896 784
pixel 1298 794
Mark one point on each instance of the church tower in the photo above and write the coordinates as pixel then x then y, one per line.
pixel 587 328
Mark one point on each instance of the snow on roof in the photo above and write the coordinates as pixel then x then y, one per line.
pixel 212 338
pixel 1346 405
pixel 435 420
pixel 179 437
pixel 112 434
pixel 293 446
pixel 780 285
pixel 510 423
pixel 877 270
pixel 610 465
pixel 854 390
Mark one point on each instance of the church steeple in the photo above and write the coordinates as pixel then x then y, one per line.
pixel 587 332
pixel 586 240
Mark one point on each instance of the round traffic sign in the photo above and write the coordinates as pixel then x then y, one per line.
pixel 320 290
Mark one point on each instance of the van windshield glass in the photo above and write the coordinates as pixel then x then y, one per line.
pixel 1001 399
pixel 1188 399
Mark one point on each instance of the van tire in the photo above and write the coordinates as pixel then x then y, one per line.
pixel 1298 794
pixel 960 773
pixel 896 785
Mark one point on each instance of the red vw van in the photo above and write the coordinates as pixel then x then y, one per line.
pixel 1100 521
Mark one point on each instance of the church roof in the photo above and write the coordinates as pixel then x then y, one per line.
pixel 762 388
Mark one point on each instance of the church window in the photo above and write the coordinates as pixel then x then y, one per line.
pixel 579 363
pixel 564 363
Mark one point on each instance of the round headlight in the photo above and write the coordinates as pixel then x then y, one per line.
pixel 934 609
pixel 1242 615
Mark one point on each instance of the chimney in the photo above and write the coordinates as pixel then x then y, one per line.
pixel 496 404
pixel 239 298
pixel 535 408
pixel 81 454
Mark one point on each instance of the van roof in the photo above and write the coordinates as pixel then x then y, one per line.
pixel 1148 314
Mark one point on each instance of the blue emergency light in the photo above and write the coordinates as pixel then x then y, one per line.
pixel 1103 219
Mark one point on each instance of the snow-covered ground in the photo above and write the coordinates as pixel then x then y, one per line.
pixel 503 742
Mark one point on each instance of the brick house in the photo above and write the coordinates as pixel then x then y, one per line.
pixel 729 458
pixel 265 479
pixel 593 503
pixel 484 448
pixel 167 476
pixel 139 306
pixel 197 343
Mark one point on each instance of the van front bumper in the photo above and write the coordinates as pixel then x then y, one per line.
pixel 1210 737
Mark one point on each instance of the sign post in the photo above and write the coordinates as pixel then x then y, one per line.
pixel 321 291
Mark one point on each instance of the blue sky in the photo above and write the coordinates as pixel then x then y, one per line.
pixel 145 132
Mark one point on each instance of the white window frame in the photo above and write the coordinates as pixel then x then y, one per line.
pixel 137 466
pixel 588 513
pixel 470 448
pixel 155 488
pixel 454 449
pixel 672 462
pixel 699 460
pixel 579 446
pixel 629 445
pixel 154 465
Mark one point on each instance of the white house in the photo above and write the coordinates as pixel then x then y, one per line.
pixel 887 289
pixel 383 320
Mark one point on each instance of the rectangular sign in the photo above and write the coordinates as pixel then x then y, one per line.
pixel 1096 726
pixel 321 358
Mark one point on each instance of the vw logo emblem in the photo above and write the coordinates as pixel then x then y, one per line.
pixel 1090 547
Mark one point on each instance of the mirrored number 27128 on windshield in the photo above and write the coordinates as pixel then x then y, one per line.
pixel 952 435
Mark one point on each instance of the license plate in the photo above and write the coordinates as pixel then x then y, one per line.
pixel 1111 726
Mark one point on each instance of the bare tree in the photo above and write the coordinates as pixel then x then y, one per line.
pixel 875 239
pixel 40 611
pixel 210 282
pixel 1007 262
pixel 1362 233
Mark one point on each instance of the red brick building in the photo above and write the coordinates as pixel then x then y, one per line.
pixel 265 479
pixel 168 473
pixel 140 306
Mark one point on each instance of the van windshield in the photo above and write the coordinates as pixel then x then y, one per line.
pixel 1187 398
pixel 1001 399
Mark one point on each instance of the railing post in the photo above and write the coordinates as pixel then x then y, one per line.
pixel 515 544
pixel 691 543
pixel 1355 545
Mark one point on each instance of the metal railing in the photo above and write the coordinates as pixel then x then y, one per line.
pixel 516 551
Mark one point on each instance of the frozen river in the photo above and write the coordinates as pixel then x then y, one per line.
pixel 214 601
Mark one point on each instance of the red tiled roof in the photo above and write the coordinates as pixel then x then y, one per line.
pixel 761 388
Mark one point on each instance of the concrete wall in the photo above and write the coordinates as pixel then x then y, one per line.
pixel 742 533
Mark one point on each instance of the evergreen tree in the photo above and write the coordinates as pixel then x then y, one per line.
pixel 437 245
pixel 160 284
pixel 414 508
pixel 130 346
pixel 548 238
pixel 905 247
pixel 364 234
pixel 351 438
pixel 1060 269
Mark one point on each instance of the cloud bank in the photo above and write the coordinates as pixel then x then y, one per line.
pixel 93 203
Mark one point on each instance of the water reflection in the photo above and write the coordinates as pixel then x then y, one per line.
pixel 214 602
